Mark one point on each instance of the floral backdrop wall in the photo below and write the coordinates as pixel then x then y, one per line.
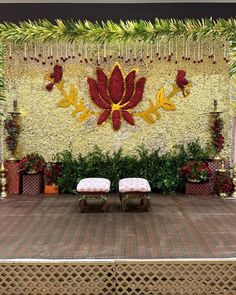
pixel 48 129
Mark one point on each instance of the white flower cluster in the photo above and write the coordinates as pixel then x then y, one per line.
pixel 49 129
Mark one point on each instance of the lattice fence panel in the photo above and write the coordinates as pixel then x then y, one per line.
pixel 57 279
pixel 176 278
pixel 117 277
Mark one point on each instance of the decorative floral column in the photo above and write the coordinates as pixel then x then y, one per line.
pixel 217 137
pixel 12 128
pixel 217 126
pixel 3 180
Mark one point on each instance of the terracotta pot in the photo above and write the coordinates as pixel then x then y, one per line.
pixel 51 189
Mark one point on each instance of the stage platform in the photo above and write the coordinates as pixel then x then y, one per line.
pixel 48 247
pixel 175 227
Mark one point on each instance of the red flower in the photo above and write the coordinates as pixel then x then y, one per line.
pixel 181 81
pixel 56 76
pixel 224 183
pixel 196 170
pixel 32 162
pixel 52 173
pixel 217 137
pixel 116 96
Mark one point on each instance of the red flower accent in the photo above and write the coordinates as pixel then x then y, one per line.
pixel 56 76
pixel 217 137
pixel 116 96
pixel 182 82
pixel 196 170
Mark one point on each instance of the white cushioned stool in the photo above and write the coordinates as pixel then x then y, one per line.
pixel 90 188
pixel 134 188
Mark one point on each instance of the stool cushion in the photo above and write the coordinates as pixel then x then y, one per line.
pixel 134 185
pixel 94 185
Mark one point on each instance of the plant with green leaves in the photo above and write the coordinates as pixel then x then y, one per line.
pixel 162 171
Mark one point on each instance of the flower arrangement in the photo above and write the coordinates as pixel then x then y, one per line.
pixel 52 173
pixel 217 137
pixel 223 183
pixel 32 163
pixel 13 129
pixel 197 171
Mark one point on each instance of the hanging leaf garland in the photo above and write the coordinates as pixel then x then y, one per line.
pixel 109 31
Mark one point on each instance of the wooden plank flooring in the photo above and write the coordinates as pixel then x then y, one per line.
pixel 175 227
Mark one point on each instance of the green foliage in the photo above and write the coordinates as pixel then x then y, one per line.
pixel 69 167
pixel 196 152
pixel 162 171
pixel 109 31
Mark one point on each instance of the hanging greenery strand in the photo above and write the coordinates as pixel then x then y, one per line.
pixel 109 31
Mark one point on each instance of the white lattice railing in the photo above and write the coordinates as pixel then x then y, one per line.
pixel 122 277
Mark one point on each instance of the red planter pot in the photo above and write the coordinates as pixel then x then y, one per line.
pixel 32 184
pixel 13 177
pixel 193 188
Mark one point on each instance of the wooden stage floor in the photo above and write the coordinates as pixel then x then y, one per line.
pixel 175 227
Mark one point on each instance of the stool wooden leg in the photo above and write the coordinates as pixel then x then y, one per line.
pixel 104 203
pixel 124 199
pixel 145 202
pixel 83 205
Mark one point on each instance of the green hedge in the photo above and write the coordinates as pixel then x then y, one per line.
pixel 162 171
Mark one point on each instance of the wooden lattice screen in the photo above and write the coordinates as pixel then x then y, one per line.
pixel 157 277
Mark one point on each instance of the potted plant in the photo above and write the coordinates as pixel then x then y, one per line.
pixel 197 175
pixel 52 173
pixel 223 184
pixel 31 167
pixel 32 164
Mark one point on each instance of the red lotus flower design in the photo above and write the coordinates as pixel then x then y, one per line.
pixel 117 95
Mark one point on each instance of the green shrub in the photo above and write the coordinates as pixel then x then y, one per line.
pixel 69 171
pixel 162 171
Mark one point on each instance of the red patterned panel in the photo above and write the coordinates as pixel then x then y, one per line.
pixel 198 188
pixel 13 177
pixel 32 184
